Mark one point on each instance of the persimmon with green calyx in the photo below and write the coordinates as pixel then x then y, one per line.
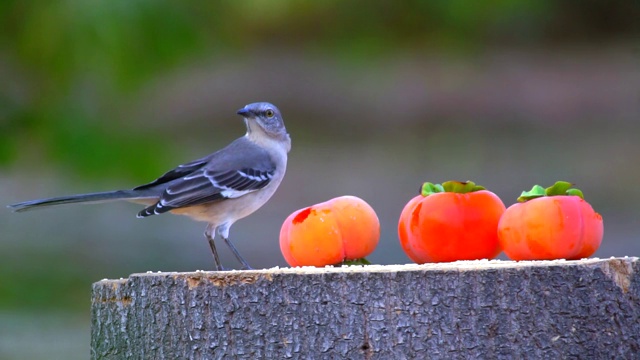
pixel 449 222
pixel 551 223
pixel 341 231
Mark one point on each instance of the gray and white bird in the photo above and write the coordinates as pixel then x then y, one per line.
pixel 219 189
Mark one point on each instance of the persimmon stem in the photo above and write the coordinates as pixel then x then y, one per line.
pixel 459 187
pixel 560 188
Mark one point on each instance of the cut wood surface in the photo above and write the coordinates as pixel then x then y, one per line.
pixel 470 309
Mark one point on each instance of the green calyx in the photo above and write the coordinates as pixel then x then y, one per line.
pixel 361 261
pixel 560 188
pixel 459 187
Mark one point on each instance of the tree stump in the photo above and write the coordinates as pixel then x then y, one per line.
pixel 470 309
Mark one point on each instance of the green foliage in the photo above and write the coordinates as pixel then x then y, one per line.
pixel 123 41
pixel 80 59
pixel 75 62
pixel 43 282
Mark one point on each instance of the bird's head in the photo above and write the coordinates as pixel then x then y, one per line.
pixel 264 117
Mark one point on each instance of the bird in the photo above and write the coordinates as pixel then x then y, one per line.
pixel 218 189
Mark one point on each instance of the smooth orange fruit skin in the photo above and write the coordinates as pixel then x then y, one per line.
pixel 328 233
pixel 447 226
pixel 547 228
pixel 311 237
pixel 404 232
pixel 359 226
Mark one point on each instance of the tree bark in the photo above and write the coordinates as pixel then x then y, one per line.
pixel 472 309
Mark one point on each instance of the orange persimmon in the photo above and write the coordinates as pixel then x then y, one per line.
pixel 329 233
pixel 552 223
pixel 449 222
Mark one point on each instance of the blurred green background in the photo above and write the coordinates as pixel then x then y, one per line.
pixel 377 96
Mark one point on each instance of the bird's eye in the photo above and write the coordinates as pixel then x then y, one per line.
pixel 269 113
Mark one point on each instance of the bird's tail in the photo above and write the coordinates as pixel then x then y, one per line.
pixel 81 198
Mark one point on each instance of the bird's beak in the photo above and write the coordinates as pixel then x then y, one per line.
pixel 244 112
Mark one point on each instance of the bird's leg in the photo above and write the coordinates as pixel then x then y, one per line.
pixel 209 234
pixel 235 252
pixel 223 231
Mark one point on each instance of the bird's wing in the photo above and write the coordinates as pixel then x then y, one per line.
pixel 235 171
pixel 178 172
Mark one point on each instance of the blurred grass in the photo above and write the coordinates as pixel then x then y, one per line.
pixel 43 335
pixel 41 280
pixel 76 61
